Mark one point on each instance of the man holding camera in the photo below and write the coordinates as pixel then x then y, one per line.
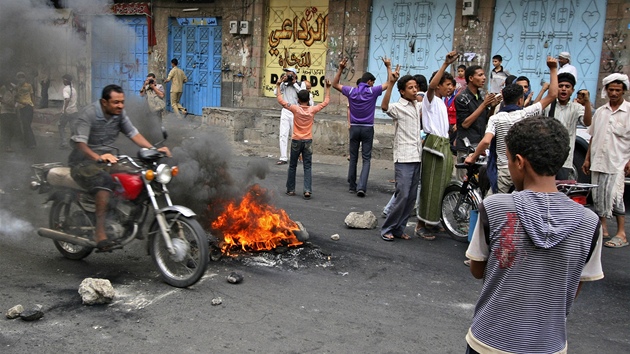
pixel 155 95
pixel 289 89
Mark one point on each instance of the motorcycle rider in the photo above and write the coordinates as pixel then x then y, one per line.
pixel 96 127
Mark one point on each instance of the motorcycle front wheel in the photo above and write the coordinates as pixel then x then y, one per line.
pixel 69 218
pixel 188 264
pixel 456 213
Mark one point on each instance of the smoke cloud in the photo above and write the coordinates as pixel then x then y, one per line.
pixel 205 183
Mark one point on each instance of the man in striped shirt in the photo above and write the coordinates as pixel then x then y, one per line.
pixel 533 248
pixel 500 123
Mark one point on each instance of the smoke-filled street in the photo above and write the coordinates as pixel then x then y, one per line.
pixel 357 294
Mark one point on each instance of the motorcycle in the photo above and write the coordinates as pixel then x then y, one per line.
pixel 461 199
pixel 175 240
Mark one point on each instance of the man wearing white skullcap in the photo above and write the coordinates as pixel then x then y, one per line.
pixel 564 58
pixel 608 156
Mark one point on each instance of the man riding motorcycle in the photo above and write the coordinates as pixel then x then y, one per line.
pixel 94 131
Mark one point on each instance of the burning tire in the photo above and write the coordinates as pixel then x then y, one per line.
pixel 69 218
pixel 188 263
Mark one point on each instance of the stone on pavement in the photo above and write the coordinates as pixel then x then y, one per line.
pixel 96 291
pixel 361 220
pixel 15 311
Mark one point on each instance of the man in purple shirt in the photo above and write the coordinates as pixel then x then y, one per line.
pixel 361 103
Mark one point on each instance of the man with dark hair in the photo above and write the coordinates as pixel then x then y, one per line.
pixel 533 248
pixel 178 78
pixel 302 139
pixel 500 123
pixel 95 130
pixel 362 103
pixel 407 153
pixel 497 75
pixel 154 93
pixel 24 103
pixel 570 113
pixel 608 156
pixel 472 113
pixel 528 94
pixel 437 158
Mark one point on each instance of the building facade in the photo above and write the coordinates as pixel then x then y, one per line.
pixel 234 51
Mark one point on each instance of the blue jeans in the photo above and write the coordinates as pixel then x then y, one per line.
pixel 304 147
pixel 407 179
pixel 364 136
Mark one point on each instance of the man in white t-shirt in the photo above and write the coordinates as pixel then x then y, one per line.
pixel 500 123
pixel 564 59
pixel 437 159
pixel 69 110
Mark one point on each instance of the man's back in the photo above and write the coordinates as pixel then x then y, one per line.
pixel 177 78
pixel 362 102
pixel 541 245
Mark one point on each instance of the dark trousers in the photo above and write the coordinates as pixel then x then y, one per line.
pixel 363 136
pixel 407 179
pixel 9 127
pixel 26 119
pixel 304 147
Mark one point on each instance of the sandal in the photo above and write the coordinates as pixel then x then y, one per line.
pixel 307 195
pixel 290 193
pixel 281 162
pixel 616 242
pixel 424 233
pixel 387 237
pixel 405 237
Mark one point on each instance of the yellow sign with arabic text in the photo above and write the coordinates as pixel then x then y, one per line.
pixel 297 33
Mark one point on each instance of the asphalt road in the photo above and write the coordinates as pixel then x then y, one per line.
pixel 355 295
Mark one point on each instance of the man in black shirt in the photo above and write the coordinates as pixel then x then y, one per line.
pixel 472 112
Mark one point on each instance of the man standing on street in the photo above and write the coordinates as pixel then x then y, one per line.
pixel 69 110
pixel 472 113
pixel 570 114
pixel 362 104
pixel 289 89
pixel 607 159
pixel 564 59
pixel 497 75
pixel 500 123
pixel 178 78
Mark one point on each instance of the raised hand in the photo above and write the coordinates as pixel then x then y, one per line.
pixel 342 63
pixel 387 61
pixel 451 57
pixel 552 62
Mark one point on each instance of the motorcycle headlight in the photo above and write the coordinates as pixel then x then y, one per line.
pixel 163 174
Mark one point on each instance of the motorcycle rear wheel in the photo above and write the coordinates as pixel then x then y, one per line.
pixel 189 263
pixel 456 221
pixel 63 215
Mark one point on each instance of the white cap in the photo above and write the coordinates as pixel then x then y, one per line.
pixel 291 70
pixel 565 55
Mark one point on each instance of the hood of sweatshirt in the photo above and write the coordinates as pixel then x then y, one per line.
pixel 548 218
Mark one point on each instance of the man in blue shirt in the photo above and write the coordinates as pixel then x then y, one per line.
pixel 362 103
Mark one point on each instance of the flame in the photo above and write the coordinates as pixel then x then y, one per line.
pixel 254 225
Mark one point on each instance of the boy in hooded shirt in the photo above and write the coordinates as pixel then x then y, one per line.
pixel 532 244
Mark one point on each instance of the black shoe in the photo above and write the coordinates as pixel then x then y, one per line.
pixel 361 193
pixel 352 191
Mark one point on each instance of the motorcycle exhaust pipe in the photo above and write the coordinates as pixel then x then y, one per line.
pixel 60 236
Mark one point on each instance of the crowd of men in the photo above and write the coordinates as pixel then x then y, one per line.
pixel 529 237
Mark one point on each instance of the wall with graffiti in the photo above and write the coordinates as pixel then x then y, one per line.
pixel 296 38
